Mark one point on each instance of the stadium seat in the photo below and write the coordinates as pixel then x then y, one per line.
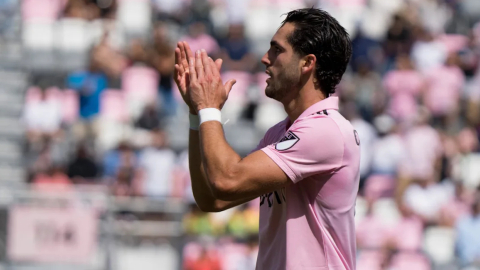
pixel 408 234
pixel 237 98
pixel 469 171
pixel 46 10
pixel 72 36
pixel 386 209
pixel 38 35
pixel 361 208
pixel 139 85
pixel 70 106
pixel 439 243
pixel 378 186
pixel 370 260
pixel 135 16
pixel 410 261
pixel 268 114
pixel 112 105
pixel 32 95
pixel 454 42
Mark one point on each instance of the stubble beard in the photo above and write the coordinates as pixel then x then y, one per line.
pixel 283 84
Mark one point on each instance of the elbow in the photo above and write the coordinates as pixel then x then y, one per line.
pixel 223 189
pixel 208 208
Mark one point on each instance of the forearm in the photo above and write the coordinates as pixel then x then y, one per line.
pixel 201 187
pixel 218 157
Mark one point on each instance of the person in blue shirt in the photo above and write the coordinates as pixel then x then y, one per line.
pixel 468 235
pixel 90 86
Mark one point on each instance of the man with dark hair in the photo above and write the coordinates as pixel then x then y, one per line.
pixel 306 168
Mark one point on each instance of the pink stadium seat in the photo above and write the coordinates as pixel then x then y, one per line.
pixel 454 42
pixel 240 89
pixel 32 95
pixel 140 83
pixel 378 186
pixel 370 260
pixel 410 261
pixel 113 106
pixel 408 234
pixel 45 10
pixel 70 106
pixel 54 93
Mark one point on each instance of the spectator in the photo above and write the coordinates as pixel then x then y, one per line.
pixel 445 84
pixel 399 38
pixel 113 160
pixel 163 60
pixel 206 261
pixel 157 163
pixel 235 50
pixel 125 183
pixel 55 178
pixel 426 198
pixel 198 39
pixel 427 53
pixel 457 207
pixel 424 149
pixel 83 168
pixel 367 90
pixel 389 150
pixel 468 236
pixel 404 86
pixel 90 86
pixel 43 118
pixel 149 119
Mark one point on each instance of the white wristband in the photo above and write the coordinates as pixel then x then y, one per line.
pixel 210 114
pixel 194 121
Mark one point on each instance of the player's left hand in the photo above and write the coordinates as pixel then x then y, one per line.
pixel 206 86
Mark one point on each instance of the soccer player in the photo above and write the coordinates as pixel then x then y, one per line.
pixel 306 168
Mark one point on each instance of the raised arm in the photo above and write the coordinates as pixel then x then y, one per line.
pixel 229 177
pixel 202 191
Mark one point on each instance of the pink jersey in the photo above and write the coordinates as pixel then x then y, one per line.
pixel 310 223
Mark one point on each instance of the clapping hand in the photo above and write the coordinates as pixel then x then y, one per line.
pixel 198 79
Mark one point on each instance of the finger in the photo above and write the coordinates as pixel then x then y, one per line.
pixel 188 52
pixel 178 56
pixel 179 71
pixel 229 85
pixel 184 56
pixel 191 68
pixel 218 63
pixel 206 63
pixel 199 65
pixel 215 71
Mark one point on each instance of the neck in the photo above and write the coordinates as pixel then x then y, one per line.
pixel 306 97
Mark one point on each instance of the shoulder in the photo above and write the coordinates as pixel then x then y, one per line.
pixel 320 130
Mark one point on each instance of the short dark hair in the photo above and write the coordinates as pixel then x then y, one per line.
pixel 318 33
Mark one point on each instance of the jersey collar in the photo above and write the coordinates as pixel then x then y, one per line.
pixel 330 103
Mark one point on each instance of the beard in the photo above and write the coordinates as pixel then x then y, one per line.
pixel 283 83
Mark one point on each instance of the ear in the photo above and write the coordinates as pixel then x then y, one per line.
pixel 308 63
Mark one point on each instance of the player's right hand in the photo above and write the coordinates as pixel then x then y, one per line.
pixel 182 74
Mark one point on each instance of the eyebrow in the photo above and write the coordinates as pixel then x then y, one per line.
pixel 275 43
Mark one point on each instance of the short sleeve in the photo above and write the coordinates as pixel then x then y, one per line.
pixel 312 146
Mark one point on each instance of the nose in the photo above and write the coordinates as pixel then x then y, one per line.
pixel 265 60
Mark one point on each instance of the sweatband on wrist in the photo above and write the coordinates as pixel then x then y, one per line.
pixel 210 114
pixel 194 121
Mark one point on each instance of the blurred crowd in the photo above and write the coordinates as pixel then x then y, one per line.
pixel 412 91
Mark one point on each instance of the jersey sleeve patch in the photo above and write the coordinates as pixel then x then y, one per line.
pixel 287 142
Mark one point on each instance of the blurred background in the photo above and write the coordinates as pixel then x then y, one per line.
pixel 93 134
